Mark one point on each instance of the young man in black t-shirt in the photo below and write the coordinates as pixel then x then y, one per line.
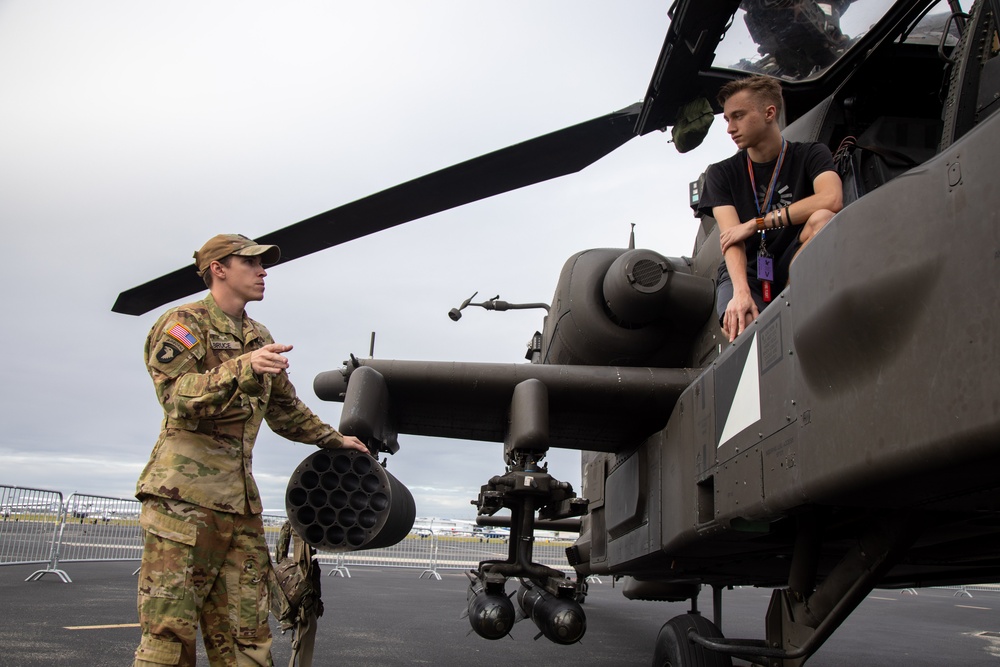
pixel 770 200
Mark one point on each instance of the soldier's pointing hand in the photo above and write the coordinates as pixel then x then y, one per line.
pixel 269 359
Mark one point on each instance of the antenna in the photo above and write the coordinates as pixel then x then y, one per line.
pixel 493 304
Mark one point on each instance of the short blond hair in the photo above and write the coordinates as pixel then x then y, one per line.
pixel 764 88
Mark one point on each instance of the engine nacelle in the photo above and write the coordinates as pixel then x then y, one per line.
pixel 626 308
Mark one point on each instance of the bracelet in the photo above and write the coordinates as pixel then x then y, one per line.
pixel 778 211
pixel 760 224
pixel 788 217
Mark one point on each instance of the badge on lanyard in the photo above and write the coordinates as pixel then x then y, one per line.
pixel 765 263
pixel 765 269
pixel 765 273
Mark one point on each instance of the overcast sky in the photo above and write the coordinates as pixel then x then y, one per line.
pixel 132 132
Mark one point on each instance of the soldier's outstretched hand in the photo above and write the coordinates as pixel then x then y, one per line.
pixel 269 359
pixel 350 442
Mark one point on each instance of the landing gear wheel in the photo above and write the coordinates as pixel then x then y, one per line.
pixel 674 649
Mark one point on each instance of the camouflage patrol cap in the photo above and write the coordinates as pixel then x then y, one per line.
pixel 224 245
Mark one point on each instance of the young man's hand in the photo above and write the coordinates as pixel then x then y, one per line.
pixel 741 311
pixel 737 234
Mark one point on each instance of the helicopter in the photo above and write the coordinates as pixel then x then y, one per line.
pixel 846 441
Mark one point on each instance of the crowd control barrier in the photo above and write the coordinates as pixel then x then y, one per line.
pixel 29 526
pixel 450 552
pixel 966 591
pixel 38 527
pixel 100 528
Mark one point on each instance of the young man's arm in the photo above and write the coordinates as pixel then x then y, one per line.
pixel 829 196
pixel 741 309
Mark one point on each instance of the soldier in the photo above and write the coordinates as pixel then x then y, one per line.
pixel 217 374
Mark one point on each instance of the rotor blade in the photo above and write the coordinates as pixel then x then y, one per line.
pixel 563 152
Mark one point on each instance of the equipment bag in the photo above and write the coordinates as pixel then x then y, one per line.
pixel 295 594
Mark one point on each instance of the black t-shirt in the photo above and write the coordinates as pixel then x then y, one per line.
pixel 728 184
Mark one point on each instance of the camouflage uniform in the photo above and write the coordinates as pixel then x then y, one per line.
pixel 205 557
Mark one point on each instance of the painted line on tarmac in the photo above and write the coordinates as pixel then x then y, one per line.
pixel 969 606
pixel 873 597
pixel 100 627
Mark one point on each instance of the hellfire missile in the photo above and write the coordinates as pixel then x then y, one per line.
pixel 561 620
pixel 491 613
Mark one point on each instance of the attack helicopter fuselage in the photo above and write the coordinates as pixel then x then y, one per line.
pixel 848 439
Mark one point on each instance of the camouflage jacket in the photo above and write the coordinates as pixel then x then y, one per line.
pixel 213 405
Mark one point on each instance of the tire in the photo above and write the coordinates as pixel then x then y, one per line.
pixel 674 649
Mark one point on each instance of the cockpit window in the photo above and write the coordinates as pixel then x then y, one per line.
pixel 930 26
pixel 795 40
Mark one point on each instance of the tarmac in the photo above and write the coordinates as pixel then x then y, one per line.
pixel 390 616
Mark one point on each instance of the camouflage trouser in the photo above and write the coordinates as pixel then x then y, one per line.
pixel 207 567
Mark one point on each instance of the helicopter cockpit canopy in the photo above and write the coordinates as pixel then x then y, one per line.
pixel 796 40
pixel 800 40
pixel 811 45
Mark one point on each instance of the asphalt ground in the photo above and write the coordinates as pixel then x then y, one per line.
pixel 390 616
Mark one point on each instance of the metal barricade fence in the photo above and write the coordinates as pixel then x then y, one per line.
pixel 446 552
pixel 100 528
pixel 272 528
pixel 29 524
pixel 964 591
pixel 411 552
pixel 36 527
pixel 429 553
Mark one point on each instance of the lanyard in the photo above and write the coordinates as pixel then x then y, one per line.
pixel 761 210
pixel 765 264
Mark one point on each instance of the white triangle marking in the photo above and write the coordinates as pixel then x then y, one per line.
pixel 746 404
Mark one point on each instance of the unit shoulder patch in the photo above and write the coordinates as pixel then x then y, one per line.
pixel 167 353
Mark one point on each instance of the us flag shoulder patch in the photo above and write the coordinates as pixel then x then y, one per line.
pixel 183 334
